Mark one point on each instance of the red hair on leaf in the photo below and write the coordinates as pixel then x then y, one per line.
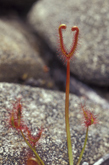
pixel 33 139
pixel 15 117
pixel 88 117
pixel 68 55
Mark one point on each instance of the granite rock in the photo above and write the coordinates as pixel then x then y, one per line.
pixel 43 107
pixel 19 53
pixel 92 18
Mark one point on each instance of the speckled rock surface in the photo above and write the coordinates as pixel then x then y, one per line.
pixel 47 107
pixel 18 57
pixel 92 17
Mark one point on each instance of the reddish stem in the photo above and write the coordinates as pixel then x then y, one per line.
pixel 67 115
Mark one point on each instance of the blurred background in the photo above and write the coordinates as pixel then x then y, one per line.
pixel 29 45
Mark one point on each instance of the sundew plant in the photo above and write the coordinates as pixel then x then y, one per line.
pixel 16 119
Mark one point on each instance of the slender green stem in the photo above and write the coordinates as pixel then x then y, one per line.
pixel 82 151
pixel 40 162
pixel 67 115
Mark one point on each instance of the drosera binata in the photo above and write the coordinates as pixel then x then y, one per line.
pixel 67 56
pixel 16 122
pixel 88 119
pixel 16 118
